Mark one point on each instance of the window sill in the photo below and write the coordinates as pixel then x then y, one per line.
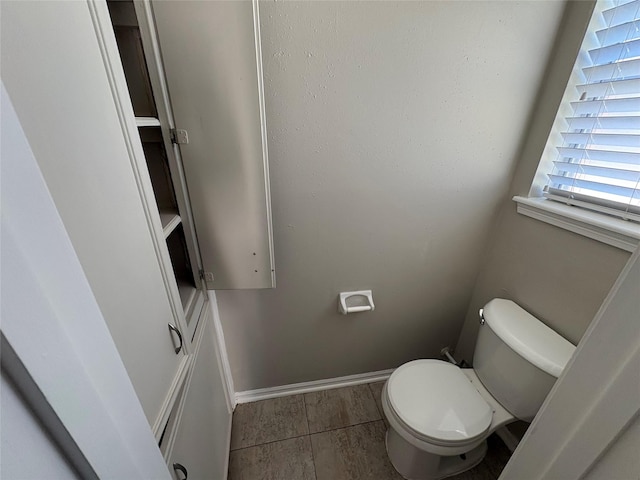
pixel 612 231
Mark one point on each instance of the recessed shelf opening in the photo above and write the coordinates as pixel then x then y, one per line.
pixel 181 266
pixel 158 166
pixel 125 27
pixel 162 165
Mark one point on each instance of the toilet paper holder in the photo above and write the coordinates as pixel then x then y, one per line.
pixel 344 309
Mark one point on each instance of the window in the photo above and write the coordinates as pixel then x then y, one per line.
pixel 592 159
pixel 598 163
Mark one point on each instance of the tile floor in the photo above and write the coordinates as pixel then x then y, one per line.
pixel 329 435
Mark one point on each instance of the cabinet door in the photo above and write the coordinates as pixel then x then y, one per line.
pixel 54 71
pixel 212 61
pixel 202 440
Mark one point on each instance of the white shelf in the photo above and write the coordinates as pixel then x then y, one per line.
pixel 169 220
pixel 147 122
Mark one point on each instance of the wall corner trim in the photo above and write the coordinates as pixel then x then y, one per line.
pixel 313 386
pixel 223 357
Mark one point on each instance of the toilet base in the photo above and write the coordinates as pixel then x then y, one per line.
pixel 415 464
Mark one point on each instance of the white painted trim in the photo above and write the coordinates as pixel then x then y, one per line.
pixel 17 378
pixel 197 305
pixel 263 132
pixel 595 398
pixel 120 92
pixel 172 395
pixel 221 352
pixel 223 366
pixel 609 415
pixel 207 315
pixel 185 389
pixel 147 122
pixel 171 225
pixel 597 226
pixel 313 386
pixel 173 424
pixel 53 323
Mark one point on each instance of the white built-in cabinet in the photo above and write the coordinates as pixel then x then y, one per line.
pixel 195 444
pixel 168 196
pixel 194 71
pixel 147 121
pixel 200 170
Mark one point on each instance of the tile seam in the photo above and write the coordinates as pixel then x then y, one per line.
pixel 347 426
pixel 277 439
pixel 373 394
pixel 270 442
pixel 305 435
pixel 313 457
pixel 372 398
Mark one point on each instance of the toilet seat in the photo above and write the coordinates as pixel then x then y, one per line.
pixel 436 402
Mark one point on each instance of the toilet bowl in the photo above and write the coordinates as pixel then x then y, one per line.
pixel 440 415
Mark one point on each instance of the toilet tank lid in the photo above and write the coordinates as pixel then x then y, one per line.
pixel 528 336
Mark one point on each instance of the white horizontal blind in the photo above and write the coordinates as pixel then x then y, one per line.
pixel 598 164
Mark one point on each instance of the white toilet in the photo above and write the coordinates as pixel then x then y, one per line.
pixel 440 415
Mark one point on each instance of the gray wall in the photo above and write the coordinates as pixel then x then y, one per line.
pixel 393 132
pixel 559 276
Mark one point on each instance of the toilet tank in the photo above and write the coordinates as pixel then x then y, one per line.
pixel 518 358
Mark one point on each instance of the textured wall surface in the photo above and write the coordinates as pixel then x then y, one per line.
pixel 559 276
pixel 393 130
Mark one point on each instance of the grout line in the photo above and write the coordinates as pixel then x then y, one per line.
pixel 347 426
pixel 373 394
pixel 272 441
pixel 306 435
pixel 492 461
pixel 313 457
pixel 309 433
pixel 306 415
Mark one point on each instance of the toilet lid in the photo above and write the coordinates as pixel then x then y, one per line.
pixel 437 400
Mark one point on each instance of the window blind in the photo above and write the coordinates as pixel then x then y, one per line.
pixel 598 163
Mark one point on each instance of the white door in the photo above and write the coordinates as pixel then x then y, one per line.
pixel 69 408
pixel 212 62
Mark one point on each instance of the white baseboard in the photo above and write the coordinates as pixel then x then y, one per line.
pixel 233 397
pixel 314 386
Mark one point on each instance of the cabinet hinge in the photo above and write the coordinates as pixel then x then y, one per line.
pixel 179 136
pixel 206 276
